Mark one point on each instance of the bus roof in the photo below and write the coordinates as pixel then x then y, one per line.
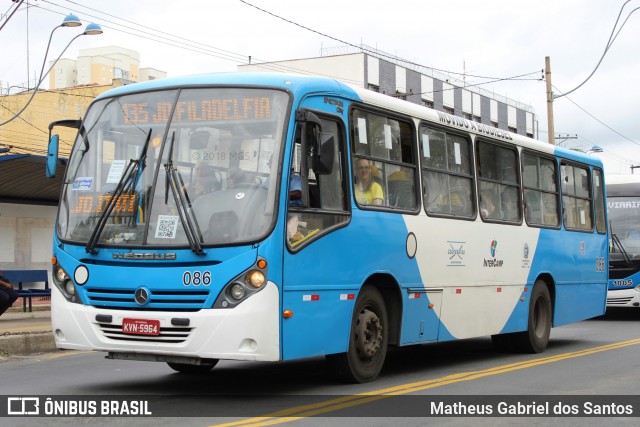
pixel 292 82
pixel 303 84
pixel 622 185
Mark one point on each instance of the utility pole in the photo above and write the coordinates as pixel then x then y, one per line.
pixel 547 77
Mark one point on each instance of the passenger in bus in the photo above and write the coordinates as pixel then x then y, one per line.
pixel 295 190
pixel 367 190
pixel 488 207
pixel 206 180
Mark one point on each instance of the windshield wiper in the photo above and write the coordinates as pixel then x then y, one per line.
pixel 174 181
pixel 128 182
pixel 616 242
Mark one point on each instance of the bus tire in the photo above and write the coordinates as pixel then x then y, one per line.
pixel 536 337
pixel 368 340
pixel 185 368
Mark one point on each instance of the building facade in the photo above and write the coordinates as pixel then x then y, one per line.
pixel 417 84
pixel 99 66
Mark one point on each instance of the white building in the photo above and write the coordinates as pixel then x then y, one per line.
pixel 396 77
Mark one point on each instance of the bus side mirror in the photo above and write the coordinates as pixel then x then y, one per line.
pixel 52 156
pixel 324 154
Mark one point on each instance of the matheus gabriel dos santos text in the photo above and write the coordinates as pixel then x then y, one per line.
pixel 531 409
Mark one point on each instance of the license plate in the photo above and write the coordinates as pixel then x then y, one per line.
pixel 140 327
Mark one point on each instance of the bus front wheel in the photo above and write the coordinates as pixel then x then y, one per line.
pixel 185 368
pixel 536 337
pixel 368 340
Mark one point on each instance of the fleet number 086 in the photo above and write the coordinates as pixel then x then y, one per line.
pixel 196 278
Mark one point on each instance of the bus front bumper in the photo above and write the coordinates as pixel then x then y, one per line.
pixel 624 297
pixel 250 331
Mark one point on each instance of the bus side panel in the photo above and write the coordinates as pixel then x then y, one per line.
pixel 323 279
pixel 481 268
pixel 570 257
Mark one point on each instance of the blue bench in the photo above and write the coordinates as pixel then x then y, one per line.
pixel 27 276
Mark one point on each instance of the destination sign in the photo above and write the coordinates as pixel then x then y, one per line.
pixel 124 206
pixel 226 109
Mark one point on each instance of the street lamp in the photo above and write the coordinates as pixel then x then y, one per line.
pixel 595 149
pixel 69 21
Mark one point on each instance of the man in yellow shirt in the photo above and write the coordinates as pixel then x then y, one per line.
pixel 367 190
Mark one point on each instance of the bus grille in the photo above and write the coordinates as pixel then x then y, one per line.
pixel 619 301
pixel 174 300
pixel 167 335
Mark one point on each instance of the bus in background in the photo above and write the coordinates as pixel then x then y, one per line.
pixel 271 217
pixel 623 202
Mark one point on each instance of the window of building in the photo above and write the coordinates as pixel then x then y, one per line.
pixel 374 88
pixel 428 104
pixel 498 186
pixel 447 176
pixel 576 197
pixel 539 179
pixel 383 163
pixel 448 110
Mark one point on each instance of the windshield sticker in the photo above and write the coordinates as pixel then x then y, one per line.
pixel 82 183
pixel 167 226
pixel 115 171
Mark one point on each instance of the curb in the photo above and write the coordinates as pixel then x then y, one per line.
pixel 28 343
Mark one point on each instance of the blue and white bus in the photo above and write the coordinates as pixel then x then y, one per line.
pixel 334 221
pixel 623 202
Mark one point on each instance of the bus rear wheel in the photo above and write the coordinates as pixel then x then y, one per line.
pixel 536 337
pixel 185 368
pixel 368 340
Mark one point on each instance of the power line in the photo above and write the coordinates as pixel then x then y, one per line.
pixel 362 48
pixel 601 122
pixel 612 39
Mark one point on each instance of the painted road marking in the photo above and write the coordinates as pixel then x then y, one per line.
pixel 296 413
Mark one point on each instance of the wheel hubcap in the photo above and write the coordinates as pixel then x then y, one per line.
pixel 368 333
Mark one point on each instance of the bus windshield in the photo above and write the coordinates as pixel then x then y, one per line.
pixel 624 217
pixel 175 168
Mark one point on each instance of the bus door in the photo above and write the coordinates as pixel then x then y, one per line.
pixel 315 272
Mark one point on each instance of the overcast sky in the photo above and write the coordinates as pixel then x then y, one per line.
pixel 493 38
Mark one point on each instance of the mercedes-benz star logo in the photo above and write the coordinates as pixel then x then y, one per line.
pixel 141 296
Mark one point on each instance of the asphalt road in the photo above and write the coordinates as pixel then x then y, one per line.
pixel 595 360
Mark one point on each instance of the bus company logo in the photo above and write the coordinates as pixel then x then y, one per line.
pixel 456 253
pixel 493 262
pixel 170 256
pixel 141 296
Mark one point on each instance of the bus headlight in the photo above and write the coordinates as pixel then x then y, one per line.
pixel 70 287
pixel 60 275
pixel 237 291
pixel 254 278
pixel 243 285
pixel 63 282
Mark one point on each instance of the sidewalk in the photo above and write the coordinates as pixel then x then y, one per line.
pixel 26 333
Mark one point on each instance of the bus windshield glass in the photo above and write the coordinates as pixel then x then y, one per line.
pixel 190 167
pixel 624 217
